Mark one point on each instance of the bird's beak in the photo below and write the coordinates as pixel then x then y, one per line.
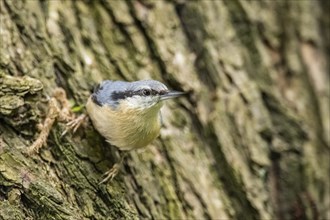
pixel 171 95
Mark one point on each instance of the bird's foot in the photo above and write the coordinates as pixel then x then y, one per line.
pixel 74 124
pixel 110 174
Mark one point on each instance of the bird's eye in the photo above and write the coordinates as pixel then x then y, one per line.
pixel 146 92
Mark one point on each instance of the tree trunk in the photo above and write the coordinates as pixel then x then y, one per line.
pixel 251 141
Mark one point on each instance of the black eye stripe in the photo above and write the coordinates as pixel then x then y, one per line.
pixel 162 92
pixel 121 95
pixel 148 92
pixel 141 92
pixel 95 100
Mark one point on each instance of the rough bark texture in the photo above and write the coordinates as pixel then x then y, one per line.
pixel 250 142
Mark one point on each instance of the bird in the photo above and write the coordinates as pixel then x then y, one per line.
pixel 127 114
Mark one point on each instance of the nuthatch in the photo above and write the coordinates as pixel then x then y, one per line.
pixel 127 114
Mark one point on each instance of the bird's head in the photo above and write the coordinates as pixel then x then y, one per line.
pixel 140 95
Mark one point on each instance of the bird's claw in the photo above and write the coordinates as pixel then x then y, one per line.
pixel 110 174
pixel 74 124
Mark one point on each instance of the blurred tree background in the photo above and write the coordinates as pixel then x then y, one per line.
pixel 250 142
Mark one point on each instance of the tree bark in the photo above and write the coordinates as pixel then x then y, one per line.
pixel 251 141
